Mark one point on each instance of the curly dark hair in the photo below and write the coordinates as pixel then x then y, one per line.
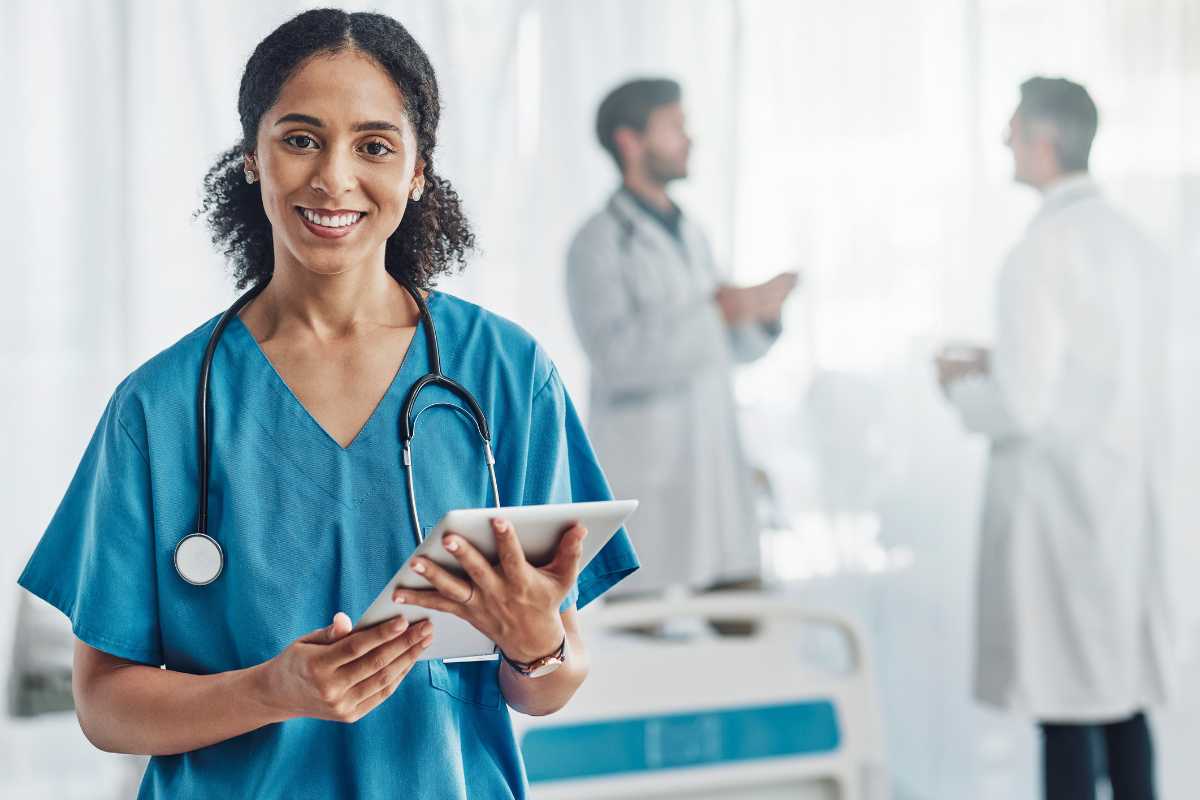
pixel 433 241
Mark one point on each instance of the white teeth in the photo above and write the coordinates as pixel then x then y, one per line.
pixel 340 221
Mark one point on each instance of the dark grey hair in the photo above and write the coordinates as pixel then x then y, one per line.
pixel 1069 109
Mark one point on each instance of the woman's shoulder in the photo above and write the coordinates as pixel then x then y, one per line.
pixel 479 334
pixel 166 380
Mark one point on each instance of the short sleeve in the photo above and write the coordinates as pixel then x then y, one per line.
pixel 562 468
pixel 95 562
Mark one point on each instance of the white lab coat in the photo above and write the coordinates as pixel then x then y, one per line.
pixel 662 414
pixel 1075 617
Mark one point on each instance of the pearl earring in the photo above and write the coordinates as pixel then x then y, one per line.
pixel 250 176
pixel 416 194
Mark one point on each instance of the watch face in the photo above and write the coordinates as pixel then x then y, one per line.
pixel 545 668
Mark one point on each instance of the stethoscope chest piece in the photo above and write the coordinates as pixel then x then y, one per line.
pixel 198 559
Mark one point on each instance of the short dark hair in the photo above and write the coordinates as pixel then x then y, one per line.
pixel 433 238
pixel 1069 108
pixel 629 106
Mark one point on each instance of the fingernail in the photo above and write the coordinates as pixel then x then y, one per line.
pixel 400 598
pixel 418 568
pixel 428 640
pixel 452 545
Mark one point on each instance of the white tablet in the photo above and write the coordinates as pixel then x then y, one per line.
pixel 539 529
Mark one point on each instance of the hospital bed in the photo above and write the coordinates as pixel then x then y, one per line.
pixel 712 718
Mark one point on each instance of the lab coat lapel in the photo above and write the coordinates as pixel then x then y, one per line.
pixel 699 255
pixel 646 227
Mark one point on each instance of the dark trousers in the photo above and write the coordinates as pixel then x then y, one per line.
pixel 1074 755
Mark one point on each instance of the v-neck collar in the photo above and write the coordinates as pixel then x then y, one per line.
pixel 297 412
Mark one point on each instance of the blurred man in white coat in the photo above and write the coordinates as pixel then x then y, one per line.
pixel 1074 623
pixel 663 330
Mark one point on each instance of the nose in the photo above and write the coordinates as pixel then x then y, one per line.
pixel 334 173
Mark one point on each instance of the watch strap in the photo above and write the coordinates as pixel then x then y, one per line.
pixel 527 668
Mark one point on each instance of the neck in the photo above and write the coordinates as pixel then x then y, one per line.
pixel 1057 177
pixel 652 191
pixel 332 306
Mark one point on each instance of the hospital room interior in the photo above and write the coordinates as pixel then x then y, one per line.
pixel 912 629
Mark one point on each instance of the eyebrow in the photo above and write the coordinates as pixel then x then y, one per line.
pixel 372 125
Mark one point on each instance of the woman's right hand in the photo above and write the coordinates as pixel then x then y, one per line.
pixel 337 675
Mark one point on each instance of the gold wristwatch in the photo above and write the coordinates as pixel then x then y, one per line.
pixel 539 666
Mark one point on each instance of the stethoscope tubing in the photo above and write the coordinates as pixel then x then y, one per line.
pixel 200 537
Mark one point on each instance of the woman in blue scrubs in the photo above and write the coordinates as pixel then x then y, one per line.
pixel 330 199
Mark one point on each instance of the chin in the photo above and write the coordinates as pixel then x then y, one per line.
pixel 325 264
pixel 677 175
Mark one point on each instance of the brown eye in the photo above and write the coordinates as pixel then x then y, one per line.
pixel 381 149
pixel 299 141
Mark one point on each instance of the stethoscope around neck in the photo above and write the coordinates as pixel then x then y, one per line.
pixel 199 559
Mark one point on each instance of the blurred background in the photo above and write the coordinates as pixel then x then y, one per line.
pixel 859 142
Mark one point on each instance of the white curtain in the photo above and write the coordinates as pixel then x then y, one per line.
pixel 870 154
pixel 857 140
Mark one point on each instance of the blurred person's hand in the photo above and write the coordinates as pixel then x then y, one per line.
pixel 737 303
pixel 956 362
pixel 774 293
pixel 762 302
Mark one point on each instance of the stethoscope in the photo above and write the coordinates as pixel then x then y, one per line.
pixel 199 559
pixel 629 229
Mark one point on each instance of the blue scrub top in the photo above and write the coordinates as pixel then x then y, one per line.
pixel 310 528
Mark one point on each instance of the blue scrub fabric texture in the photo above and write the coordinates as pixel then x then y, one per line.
pixel 310 528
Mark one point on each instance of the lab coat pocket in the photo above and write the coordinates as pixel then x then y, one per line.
pixel 474 682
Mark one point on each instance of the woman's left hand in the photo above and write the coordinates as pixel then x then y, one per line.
pixel 514 603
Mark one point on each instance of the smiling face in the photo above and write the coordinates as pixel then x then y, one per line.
pixel 337 160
